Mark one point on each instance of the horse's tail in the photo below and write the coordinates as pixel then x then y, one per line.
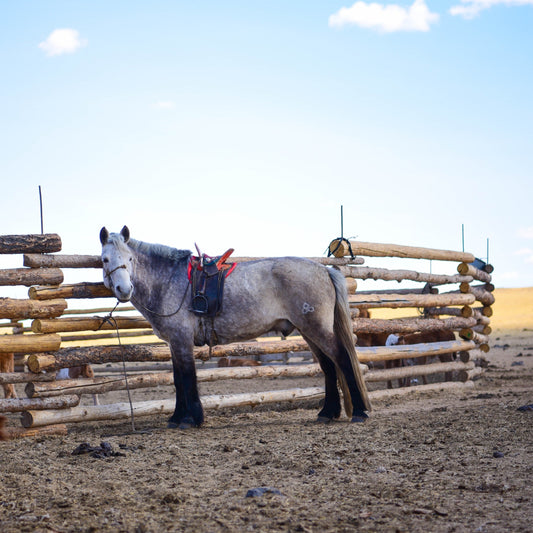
pixel 343 329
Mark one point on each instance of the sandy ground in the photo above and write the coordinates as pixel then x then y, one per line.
pixel 458 461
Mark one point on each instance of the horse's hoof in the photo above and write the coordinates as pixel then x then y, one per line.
pixel 186 425
pixel 172 425
pixel 323 419
pixel 359 417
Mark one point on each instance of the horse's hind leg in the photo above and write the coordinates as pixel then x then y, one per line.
pixel 332 402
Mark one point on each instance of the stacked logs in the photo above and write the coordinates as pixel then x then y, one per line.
pixel 50 323
pixel 16 310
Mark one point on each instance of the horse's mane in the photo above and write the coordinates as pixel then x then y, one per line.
pixel 159 250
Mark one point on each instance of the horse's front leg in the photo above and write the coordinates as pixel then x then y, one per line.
pixel 189 412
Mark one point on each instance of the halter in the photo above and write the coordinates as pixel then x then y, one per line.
pixel 109 272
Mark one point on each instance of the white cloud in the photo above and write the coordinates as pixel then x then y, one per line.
pixel 167 104
pixel 385 18
pixel 470 9
pixel 62 41
pixel 526 233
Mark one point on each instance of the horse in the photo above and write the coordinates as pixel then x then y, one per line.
pixel 272 294
pixel 437 335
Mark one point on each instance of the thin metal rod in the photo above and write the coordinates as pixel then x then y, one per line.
pixel 41 207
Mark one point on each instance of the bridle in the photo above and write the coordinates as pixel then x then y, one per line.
pixel 109 272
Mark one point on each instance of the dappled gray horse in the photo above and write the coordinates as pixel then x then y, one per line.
pixel 275 294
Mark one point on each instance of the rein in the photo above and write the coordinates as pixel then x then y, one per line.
pixel 139 304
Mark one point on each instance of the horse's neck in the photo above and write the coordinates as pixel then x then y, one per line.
pixel 151 271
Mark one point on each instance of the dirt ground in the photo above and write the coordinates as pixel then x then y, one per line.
pixel 460 461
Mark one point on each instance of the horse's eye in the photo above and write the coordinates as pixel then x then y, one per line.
pixel 131 258
pixel 105 260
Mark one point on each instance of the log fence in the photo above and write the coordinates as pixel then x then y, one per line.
pixel 43 348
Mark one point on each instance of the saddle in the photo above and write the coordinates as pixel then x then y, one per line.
pixel 206 275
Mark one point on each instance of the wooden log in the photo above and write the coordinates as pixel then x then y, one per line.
pixel 62 261
pixel 416 370
pixel 69 357
pixel 14 405
pixel 248 349
pixel 30 276
pixel 484 329
pixel 102 385
pixel 45 431
pixel 396 250
pixel 471 335
pixel 111 335
pixel 421 290
pixel 152 407
pixel 464 356
pixel 328 261
pixel 94 311
pixel 470 270
pixel 25 377
pixel 486 311
pixel 483 296
pixel 60 325
pixel 21 309
pixel 351 285
pixel 409 325
pixel 367 301
pixel 95 261
pixel 469 374
pixel 388 353
pixel 464 287
pixel 465 311
pixel 386 394
pixel 21 244
pixel 402 275
pixel 489 269
pixel 29 343
pixel 76 290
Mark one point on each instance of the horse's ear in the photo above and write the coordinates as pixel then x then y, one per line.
pixel 125 232
pixel 104 235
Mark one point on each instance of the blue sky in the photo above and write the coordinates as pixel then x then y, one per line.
pixel 248 124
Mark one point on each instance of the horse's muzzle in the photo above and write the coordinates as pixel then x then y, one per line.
pixel 123 294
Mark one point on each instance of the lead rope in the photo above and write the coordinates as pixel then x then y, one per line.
pixel 110 319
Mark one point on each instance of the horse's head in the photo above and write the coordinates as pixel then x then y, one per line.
pixel 117 260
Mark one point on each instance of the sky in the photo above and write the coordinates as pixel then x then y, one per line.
pixel 249 124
